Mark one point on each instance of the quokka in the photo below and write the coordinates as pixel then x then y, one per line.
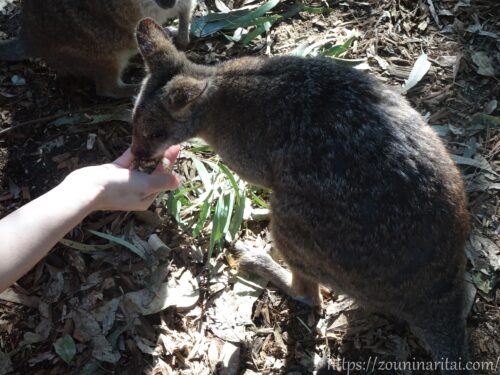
pixel 91 38
pixel 366 199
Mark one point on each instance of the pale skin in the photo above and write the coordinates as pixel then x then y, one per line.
pixel 29 233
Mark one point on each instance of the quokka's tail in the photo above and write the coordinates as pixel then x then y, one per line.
pixel 13 50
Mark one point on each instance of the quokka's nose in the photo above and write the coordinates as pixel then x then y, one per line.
pixel 139 152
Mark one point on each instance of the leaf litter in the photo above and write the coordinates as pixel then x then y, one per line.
pixel 222 322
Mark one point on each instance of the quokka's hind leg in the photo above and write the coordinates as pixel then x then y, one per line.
pixel 113 89
pixel 180 35
pixel 108 81
pixel 292 283
pixel 443 331
pixel 182 39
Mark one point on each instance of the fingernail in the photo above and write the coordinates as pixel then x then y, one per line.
pixel 167 166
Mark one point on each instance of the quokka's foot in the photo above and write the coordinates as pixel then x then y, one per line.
pixel 259 262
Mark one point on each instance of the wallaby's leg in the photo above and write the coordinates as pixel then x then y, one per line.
pixel 259 262
pixel 182 39
pixel 444 333
pixel 180 36
pixel 108 79
pixel 306 290
pixel 114 88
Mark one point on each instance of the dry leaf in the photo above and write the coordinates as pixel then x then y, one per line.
pixel 183 293
pixel 484 63
pixel 421 67
pixel 103 351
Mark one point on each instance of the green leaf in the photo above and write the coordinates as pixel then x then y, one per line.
pixel 65 348
pixel 219 221
pixel 483 281
pixel 230 176
pixel 264 23
pixel 324 47
pixel 256 32
pixel 174 206
pixel 266 19
pixel 120 241
pixel 479 162
pixel 482 121
pixel 90 367
pixel 229 205
pixel 210 24
pixel 205 209
pixel 317 10
pixel 258 200
pixel 239 211
pixel 338 49
pixel 206 178
pixel 259 12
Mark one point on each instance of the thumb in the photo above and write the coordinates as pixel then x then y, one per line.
pixel 161 182
pixel 125 159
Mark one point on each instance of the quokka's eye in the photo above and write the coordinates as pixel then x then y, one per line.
pixel 158 133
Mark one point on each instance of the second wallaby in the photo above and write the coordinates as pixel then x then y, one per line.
pixel 91 38
pixel 365 199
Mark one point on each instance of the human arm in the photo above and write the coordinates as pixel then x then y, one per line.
pixel 28 234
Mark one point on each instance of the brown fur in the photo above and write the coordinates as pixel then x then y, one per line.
pixel 366 199
pixel 95 38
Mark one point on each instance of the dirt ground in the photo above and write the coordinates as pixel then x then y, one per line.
pixel 75 291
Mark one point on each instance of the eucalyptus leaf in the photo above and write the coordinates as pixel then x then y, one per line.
pixel 478 162
pixel 120 241
pixel 84 248
pixel 121 113
pixel 210 24
pixel 348 62
pixel 419 70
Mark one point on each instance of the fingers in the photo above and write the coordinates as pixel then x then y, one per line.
pixel 126 159
pixel 168 160
pixel 161 182
pixel 171 153
pixel 147 201
pixel 158 183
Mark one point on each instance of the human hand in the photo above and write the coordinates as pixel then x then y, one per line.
pixel 114 186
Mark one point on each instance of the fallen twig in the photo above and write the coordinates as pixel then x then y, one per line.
pixel 55 117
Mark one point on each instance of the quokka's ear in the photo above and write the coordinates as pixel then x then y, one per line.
pixel 154 44
pixel 181 93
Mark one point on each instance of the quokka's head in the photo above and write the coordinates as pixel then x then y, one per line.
pixel 162 112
